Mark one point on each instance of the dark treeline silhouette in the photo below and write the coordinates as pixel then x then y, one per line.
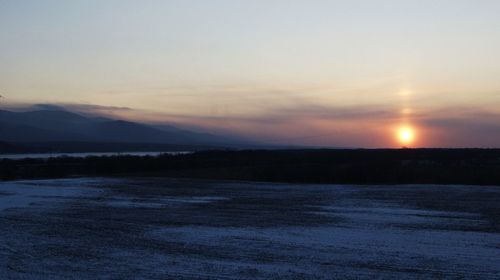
pixel 382 166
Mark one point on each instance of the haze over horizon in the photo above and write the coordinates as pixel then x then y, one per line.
pixel 326 73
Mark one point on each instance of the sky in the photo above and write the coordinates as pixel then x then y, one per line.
pixel 374 73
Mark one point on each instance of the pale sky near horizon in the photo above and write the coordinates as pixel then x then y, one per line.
pixel 334 73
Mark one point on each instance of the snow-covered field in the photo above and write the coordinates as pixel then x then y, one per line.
pixel 156 228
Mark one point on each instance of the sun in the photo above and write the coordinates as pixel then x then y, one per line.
pixel 405 135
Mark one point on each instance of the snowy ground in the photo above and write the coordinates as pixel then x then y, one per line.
pixel 190 229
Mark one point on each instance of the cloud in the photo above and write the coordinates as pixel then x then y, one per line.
pixel 81 108
pixel 323 124
pixel 479 129
pixel 281 114
pixel 47 107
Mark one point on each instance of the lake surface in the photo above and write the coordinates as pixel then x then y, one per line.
pixel 158 228
pixel 83 155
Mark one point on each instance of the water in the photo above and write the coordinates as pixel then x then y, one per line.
pixel 83 155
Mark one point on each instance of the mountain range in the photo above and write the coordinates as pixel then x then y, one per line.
pixel 49 126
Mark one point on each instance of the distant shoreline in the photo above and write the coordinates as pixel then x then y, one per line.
pixel 83 155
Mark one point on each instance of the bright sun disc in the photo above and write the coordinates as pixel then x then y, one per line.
pixel 405 135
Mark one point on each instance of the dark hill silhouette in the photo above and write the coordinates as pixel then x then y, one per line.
pixel 6 148
pixel 124 131
pixel 25 133
pixel 64 126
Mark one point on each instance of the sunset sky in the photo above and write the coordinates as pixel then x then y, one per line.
pixel 329 73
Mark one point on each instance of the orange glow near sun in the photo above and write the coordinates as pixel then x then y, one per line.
pixel 405 135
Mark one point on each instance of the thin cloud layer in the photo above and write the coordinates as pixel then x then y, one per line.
pixel 321 125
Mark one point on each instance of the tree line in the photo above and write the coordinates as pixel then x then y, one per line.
pixel 343 166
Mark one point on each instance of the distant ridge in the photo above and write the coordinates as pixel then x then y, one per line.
pixel 43 126
pixel 6 148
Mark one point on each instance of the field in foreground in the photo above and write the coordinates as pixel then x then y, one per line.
pixel 193 229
